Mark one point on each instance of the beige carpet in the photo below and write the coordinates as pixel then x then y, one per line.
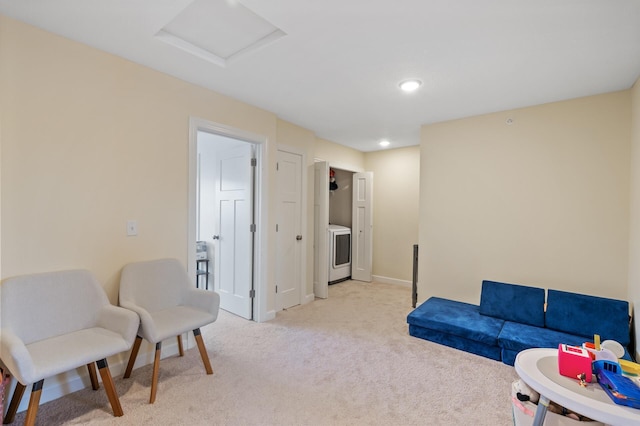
pixel 346 360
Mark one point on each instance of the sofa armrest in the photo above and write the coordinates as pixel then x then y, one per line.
pixel 208 301
pixel 16 357
pixel 119 320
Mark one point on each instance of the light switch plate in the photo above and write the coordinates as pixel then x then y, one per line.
pixel 132 228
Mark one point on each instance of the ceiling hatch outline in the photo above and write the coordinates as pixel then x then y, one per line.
pixel 219 31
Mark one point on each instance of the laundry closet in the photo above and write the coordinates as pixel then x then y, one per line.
pixel 343 226
pixel 340 224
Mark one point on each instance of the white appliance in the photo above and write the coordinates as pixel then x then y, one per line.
pixel 339 253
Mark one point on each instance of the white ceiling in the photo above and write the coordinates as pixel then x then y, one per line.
pixel 334 65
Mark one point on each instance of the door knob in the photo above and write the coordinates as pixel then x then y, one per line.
pixel 216 237
pixel 298 237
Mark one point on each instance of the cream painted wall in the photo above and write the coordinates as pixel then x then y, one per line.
pixel 339 156
pixel 89 141
pixel 290 135
pixel 634 232
pixel 395 204
pixel 543 201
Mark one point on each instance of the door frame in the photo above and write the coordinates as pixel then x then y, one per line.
pixel 320 245
pixel 303 223
pixel 260 205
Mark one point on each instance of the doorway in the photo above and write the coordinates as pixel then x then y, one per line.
pixel 225 214
pixel 354 209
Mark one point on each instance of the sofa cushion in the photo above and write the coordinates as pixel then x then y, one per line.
pixel 457 342
pixel 518 337
pixel 508 357
pixel 512 302
pixel 456 318
pixel 585 315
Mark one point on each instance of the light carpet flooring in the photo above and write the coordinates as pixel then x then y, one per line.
pixel 345 360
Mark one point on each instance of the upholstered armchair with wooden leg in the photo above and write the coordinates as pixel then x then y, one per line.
pixel 168 306
pixel 55 322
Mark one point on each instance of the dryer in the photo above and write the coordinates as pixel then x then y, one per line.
pixel 339 253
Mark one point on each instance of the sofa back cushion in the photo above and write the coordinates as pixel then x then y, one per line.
pixel 585 315
pixel 512 302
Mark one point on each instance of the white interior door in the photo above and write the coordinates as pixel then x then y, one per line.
pixel 321 224
pixel 289 242
pixel 362 227
pixel 234 237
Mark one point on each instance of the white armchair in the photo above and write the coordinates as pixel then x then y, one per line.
pixel 168 306
pixel 55 322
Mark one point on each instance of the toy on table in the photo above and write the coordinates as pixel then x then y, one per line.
pixel 613 351
pixel 613 346
pixel 629 368
pixel 603 359
pixel 574 362
pixel 609 350
pixel 622 390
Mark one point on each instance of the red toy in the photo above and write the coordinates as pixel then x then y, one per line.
pixel 574 362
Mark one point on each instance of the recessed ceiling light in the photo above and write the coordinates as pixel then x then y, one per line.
pixel 384 144
pixel 410 85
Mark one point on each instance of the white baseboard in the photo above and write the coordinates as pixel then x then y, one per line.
pixel 309 298
pixel 268 316
pixel 387 280
pixel 78 379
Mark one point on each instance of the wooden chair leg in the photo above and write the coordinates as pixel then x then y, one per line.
pixel 154 378
pixel 34 402
pixel 109 387
pixel 180 350
pixel 203 351
pixel 93 376
pixel 132 357
pixel 15 403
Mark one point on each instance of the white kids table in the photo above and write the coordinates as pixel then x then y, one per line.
pixel 538 368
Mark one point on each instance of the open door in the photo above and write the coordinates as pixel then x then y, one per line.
pixel 321 223
pixel 362 227
pixel 234 230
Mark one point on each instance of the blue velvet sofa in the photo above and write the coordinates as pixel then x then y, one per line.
pixel 512 318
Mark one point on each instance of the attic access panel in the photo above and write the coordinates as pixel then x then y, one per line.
pixel 218 31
